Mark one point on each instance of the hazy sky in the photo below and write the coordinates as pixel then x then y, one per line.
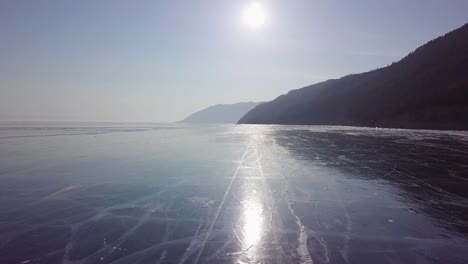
pixel 161 60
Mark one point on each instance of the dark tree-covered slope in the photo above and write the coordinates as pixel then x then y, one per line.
pixel 426 89
pixel 220 113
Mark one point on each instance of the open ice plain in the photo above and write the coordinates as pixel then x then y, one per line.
pixel 145 193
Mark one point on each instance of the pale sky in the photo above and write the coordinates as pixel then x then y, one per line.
pixel 158 61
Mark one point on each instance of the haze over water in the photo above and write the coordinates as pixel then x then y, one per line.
pixel 172 193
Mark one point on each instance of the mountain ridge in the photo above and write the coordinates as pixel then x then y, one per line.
pixel 427 89
pixel 220 113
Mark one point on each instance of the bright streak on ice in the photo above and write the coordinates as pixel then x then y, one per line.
pixel 252 223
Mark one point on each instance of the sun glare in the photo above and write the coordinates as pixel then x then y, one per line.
pixel 253 223
pixel 254 15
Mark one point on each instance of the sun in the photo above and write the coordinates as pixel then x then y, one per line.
pixel 254 15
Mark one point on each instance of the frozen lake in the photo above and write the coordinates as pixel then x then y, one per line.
pixel 145 193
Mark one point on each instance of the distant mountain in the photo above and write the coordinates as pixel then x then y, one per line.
pixel 426 89
pixel 220 113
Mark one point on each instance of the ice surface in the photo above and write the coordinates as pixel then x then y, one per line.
pixel 122 193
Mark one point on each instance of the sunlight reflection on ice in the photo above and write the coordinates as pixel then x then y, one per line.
pixel 253 223
pixel 252 227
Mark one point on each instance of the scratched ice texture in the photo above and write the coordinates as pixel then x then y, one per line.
pixel 149 193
